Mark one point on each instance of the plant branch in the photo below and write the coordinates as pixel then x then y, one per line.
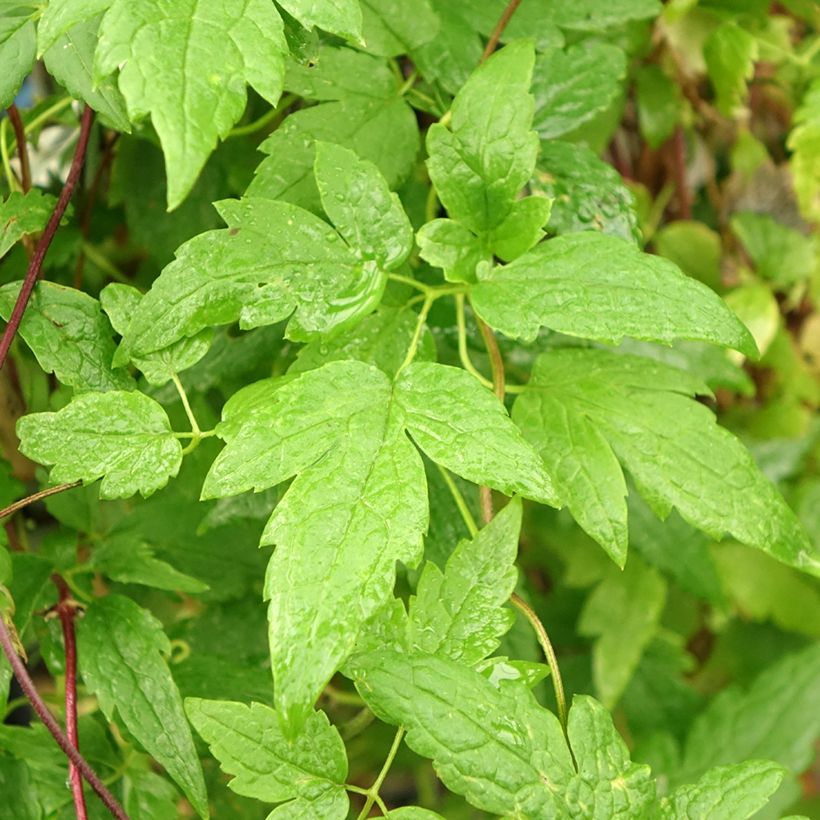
pixel 66 610
pixel 22 148
pixel 36 264
pixel 499 28
pixel 549 654
pixel 30 691
pixel 24 502
pixel 373 791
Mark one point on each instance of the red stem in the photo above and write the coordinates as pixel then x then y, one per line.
pixel 30 691
pixel 30 499
pixel 67 611
pixel 499 28
pixel 22 150
pixel 679 171
pixel 36 264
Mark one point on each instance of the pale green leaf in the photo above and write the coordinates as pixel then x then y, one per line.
pixel 369 217
pixel 120 648
pixel 18 46
pixel 342 17
pixel 59 16
pixel 622 614
pixel 775 719
pixel 23 214
pixel 122 437
pixel 659 105
pixel 521 229
pixel 459 613
pixel 730 53
pixel 570 87
pixel 480 162
pixel 165 53
pixel 249 744
pixel 672 447
pixel 497 747
pixel 804 142
pixel 694 247
pixel 448 245
pixel 600 287
pixel 726 792
pixel 69 335
pixel 394 27
pixel 70 60
pixel 272 260
pixel 120 302
pixel 413 813
pixel 587 194
pixel 594 15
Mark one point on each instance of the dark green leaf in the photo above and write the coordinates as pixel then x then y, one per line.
pixel 23 214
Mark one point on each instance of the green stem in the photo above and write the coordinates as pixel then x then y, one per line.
pixel 104 264
pixel 408 84
pixel 266 118
pixel 11 179
pixel 414 344
pixel 549 654
pixel 339 696
pixel 469 521
pixel 373 791
pixel 431 208
pixel 463 353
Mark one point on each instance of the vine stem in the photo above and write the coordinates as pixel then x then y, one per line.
pixel 37 703
pixel 36 264
pixel 373 791
pixel 66 610
pixel 22 149
pixel 24 502
pixel 499 28
pixel 549 653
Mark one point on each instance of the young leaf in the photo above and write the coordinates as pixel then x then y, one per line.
pixel 603 288
pixel 497 747
pixel 69 335
pixel 726 792
pixel 342 17
pixel 570 87
pixel 459 613
pixel 120 648
pixel 480 163
pixel 622 614
pixel 730 53
pixel 248 742
pixel 448 245
pixel 274 259
pixel 18 46
pixel 369 217
pixel 122 437
pixel 165 53
pixel 640 412
pixel 23 214
pixel 341 430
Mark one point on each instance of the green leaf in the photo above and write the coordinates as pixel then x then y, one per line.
pixel 730 53
pixel 459 613
pixel 587 194
pixel 570 87
pixel 774 719
pixel 69 335
pixel 694 247
pixel 274 259
pixel 497 747
pixel 804 142
pixel 659 105
pixel 122 437
pixel 360 109
pixel 70 60
pixel 726 792
pixel 120 302
pixel 19 792
pixel 394 27
pixel 481 162
pixel 341 430
pixel 448 245
pixel 369 217
pixel 18 46
pixel 602 288
pixel 120 648
pixel 21 215
pixel 249 744
pixel 593 15
pixel 168 71
pixel 60 16
pixel 342 17
pixel 639 411
pixel 622 614
pixel 413 813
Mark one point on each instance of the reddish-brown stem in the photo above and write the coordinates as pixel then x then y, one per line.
pixel 67 611
pixel 679 171
pixel 36 264
pixel 30 499
pixel 30 691
pixel 22 148
pixel 499 28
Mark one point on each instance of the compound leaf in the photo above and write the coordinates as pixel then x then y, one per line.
pixel 249 744
pixel 120 649
pixel 122 437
